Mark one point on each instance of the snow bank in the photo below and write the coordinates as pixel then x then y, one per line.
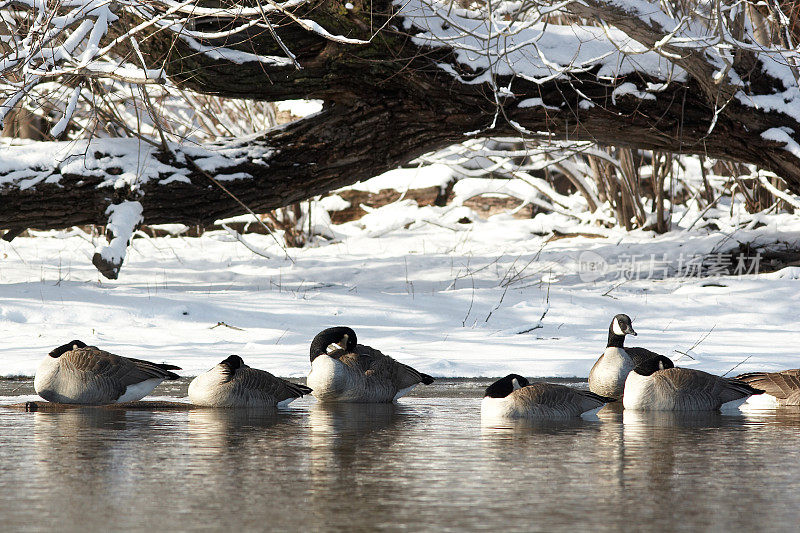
pixel 448 296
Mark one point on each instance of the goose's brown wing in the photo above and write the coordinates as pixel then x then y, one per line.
pixel 560 398
pixel 696 390
pixel 781 384
pixel 262 384
pixel 374 363
pixel 110 374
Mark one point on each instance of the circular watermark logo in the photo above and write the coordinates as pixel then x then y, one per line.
pixel 591 266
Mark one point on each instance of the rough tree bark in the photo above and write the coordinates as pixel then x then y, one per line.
pixel 387 102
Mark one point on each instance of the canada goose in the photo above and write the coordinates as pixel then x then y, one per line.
pixel 514 397
pixel 607 377
pixel 81 374
pixel 784 386
pixel 657 385
pixel 232 383
pixel 344 371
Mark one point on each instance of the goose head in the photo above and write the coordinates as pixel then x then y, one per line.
pixel 233 362
pixel 64 348
pixel 651 366
pixel 621 325
pixel 333 342
pixel 505 386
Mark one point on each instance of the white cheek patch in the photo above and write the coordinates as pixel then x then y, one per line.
pixel 333 347
pixel 341 345
pixel 616 329
pixel 515 384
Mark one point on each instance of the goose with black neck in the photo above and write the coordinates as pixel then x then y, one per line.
pixel 344 371
pixel 607 377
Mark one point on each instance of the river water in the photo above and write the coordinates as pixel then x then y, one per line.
pixel 427 463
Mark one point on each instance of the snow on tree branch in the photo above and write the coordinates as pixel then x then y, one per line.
pixel 70 40
pixel 724 46
pixel 122 221
pixel 500 40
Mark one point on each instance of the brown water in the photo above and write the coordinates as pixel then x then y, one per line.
pixel 425 464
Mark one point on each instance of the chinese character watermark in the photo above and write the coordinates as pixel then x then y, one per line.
pixel 592 266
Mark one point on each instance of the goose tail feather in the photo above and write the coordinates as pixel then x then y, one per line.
pixel 604 399
pixel 742 387
pixel 303 389
pixel 749 388
pixel 157 369
pixel 171 376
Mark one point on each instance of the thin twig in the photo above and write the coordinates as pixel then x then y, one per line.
pixel 472 300
pixel 238 236
pixel 683 354
pixel 225 325
pixel 701 339
pixel 497 306
pixel 541 318
pixel 618 285
pixel 695 345
pixel 737 366
pixel 282 334
pixel 539 325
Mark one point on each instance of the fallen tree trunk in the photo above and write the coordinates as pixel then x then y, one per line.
pixel 335 148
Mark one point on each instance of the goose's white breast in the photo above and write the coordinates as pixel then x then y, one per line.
pixel 638 392
pixel 497 407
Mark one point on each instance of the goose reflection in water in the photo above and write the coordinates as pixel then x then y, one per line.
pixel 770 415
pixel 256 456
pixel 352 424
pixel 99 439
pixel 677 457
pixel 244 441
pixel 218 429
pixel 347 436
pixel 655 440
pixel 86 438
pixel 86 451
pixel 358 454
pixel 539 445
pixel 523 428
pixel 544 462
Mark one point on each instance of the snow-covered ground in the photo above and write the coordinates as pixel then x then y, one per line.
pixel 451 298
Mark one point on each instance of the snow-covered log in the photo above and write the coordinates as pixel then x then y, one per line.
pixel 62 184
